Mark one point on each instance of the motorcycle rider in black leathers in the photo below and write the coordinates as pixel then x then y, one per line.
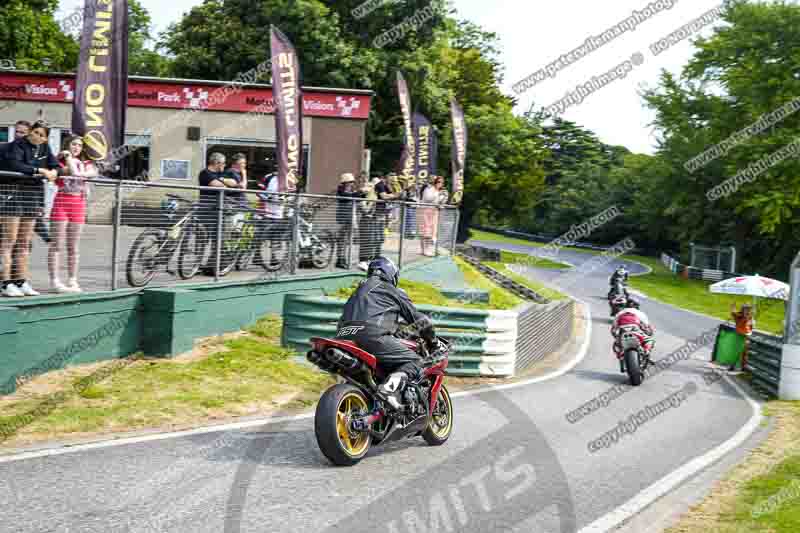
pixel 370 319
pixel 621 274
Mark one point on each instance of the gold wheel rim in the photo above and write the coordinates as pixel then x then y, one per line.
pixel 354 444
pixel 442 423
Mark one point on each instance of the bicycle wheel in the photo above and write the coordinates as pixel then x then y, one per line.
pixel 248 247
pixel 322 251
pixel 273 255
pixel 143 258
pixel 193 251
pixel 229 254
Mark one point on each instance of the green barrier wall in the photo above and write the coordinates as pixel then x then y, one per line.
pixel 470 330
pixel 48 333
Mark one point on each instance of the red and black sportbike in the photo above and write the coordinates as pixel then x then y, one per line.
pixel 351 417
pixel 633 347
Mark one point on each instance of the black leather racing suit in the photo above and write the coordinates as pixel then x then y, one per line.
pixel 370 319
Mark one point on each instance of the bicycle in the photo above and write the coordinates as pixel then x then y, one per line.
pixel 154 248
pixel 274 251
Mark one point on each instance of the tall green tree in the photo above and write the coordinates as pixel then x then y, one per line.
pixel 33 39
pixel 746 68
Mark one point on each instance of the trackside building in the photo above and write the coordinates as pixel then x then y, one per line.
pixel 173 124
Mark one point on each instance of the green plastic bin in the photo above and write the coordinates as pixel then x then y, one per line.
pixel 729 347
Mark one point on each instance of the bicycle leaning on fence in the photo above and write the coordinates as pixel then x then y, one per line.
pixel 154 248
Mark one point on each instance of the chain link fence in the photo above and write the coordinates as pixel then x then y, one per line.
pixel 123 234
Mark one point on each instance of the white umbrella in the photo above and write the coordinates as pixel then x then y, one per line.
pixel 755 286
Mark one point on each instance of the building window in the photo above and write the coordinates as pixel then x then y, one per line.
pixel 136 164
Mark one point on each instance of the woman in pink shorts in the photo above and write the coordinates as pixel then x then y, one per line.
pixel 69 214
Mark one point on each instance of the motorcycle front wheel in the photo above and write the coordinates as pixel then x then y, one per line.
pixel 337 407
pixel 633 367
pixel 440 425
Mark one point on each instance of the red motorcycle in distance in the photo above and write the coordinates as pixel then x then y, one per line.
pixel 351 417
pixel 632 347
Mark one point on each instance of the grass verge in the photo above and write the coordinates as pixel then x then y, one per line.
pixel 545 291
pixel 663 285
pixel 422 293
pixel 246 373
pixel 763 492
pixel 480 235
pixel 530 260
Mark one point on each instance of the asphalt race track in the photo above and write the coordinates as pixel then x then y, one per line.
pixel 514 462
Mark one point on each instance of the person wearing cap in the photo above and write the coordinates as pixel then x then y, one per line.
pixel 347 194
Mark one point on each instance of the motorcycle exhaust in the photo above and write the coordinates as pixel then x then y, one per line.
pixel 341 359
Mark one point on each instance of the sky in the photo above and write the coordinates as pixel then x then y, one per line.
pixel 533 33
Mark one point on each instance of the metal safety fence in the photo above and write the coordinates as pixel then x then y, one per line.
pixel 764 362
pixel 690 272
pixel 104 234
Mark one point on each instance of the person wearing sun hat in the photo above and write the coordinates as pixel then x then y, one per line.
pixel 347 194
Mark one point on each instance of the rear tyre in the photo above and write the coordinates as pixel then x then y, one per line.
pixel 338 443
pixel 440 425
pixel 632 365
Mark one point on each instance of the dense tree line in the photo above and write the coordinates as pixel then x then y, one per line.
pixel 526 172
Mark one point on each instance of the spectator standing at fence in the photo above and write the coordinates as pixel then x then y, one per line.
pixel 236 178
pixel 385 193
pixel 428 215
pixel 21 203
pixel 277 227
pixel 411 197
pixel 212 176
pixel 68 214
pixel 347 195
pixel 367 224
pixel 21 129
pixel 744 327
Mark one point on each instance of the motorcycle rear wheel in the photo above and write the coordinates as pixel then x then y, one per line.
pixel 633 367
pixel 331 425
pixel 440 426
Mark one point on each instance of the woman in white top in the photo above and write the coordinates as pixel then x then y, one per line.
pixel 428 216
pixel 69 214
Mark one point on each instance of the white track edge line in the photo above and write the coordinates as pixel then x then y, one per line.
pixel 661 487
pixel 269 421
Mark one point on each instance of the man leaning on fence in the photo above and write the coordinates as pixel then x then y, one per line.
pixel 213 176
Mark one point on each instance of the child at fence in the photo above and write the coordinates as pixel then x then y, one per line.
pixel 744 327
pixel 69 214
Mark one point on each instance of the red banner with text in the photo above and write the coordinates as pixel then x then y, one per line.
pixel 174 95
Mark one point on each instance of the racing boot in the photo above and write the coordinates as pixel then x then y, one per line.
pixel 389 390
